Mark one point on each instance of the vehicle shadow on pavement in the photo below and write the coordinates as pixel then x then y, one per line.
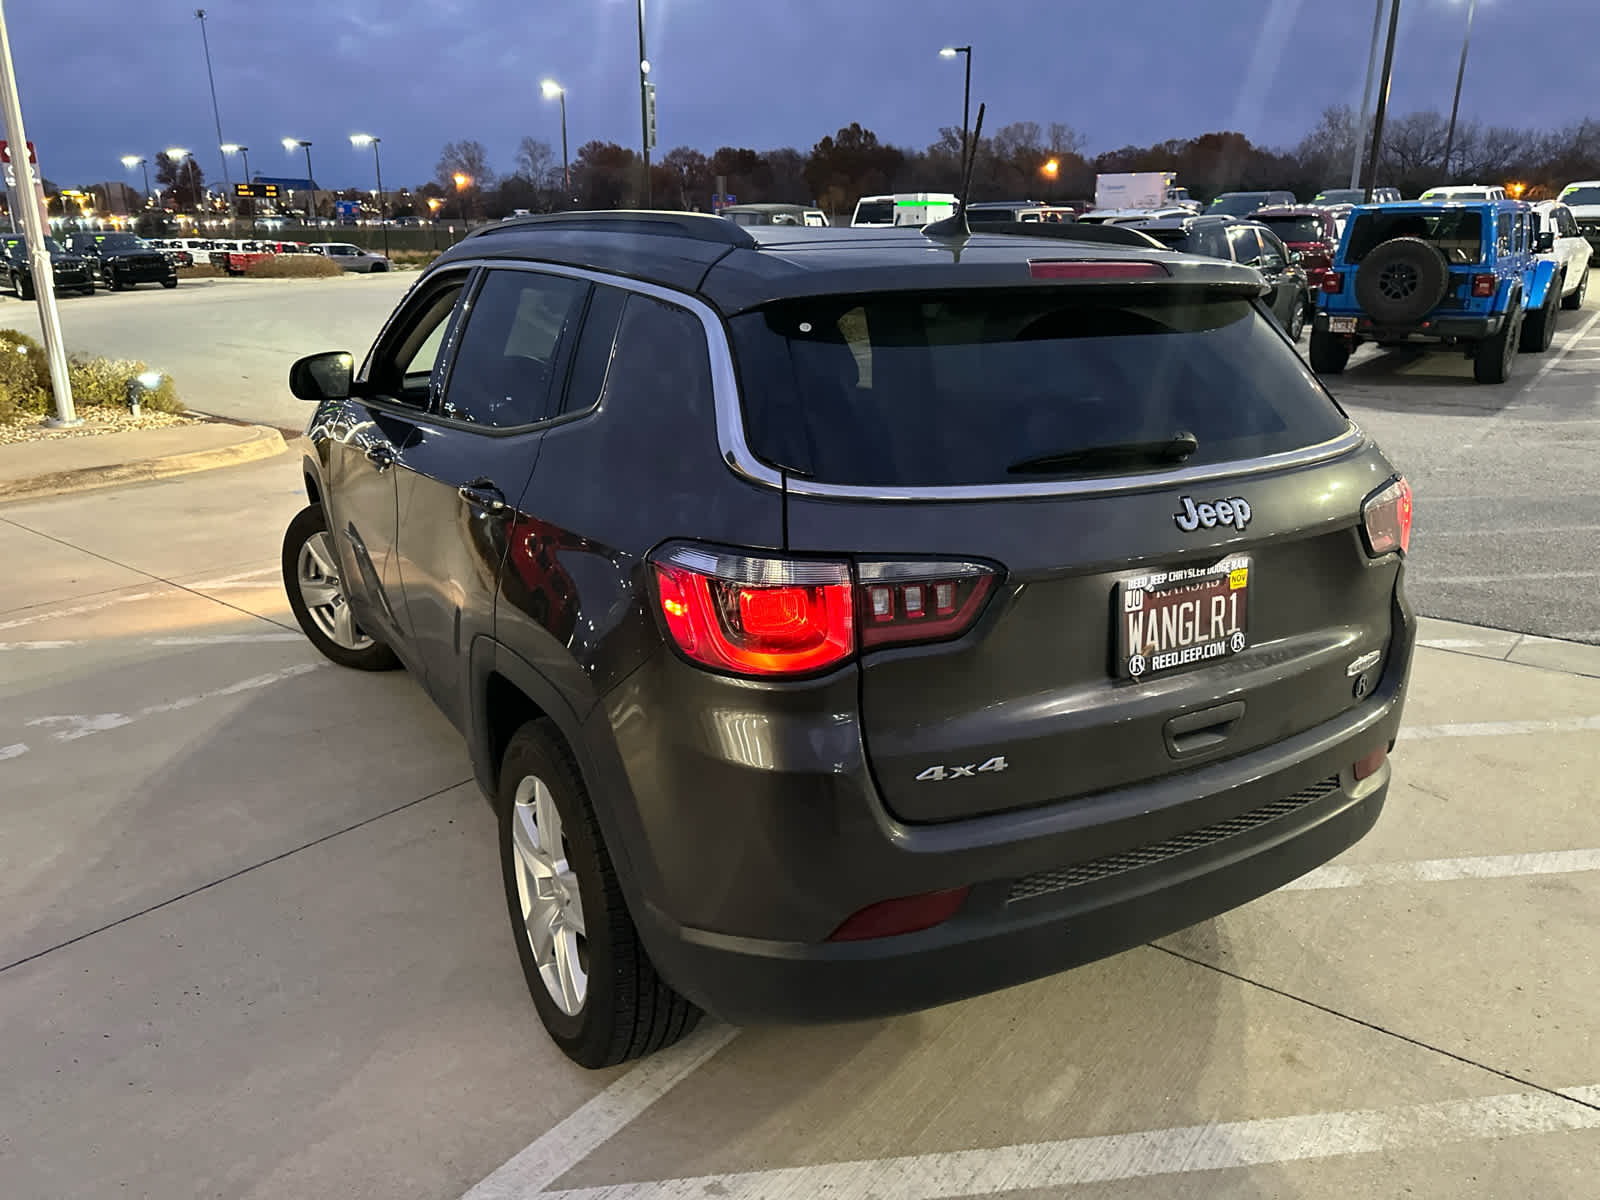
pixel 1445 387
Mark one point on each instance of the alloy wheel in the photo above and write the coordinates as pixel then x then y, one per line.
pixel 317 572
pixel 552 908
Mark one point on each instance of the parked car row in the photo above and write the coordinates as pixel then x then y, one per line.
pixel 85 260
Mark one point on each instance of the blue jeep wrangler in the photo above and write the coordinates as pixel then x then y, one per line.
pixel 1473 275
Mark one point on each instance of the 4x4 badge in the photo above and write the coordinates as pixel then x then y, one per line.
pixel 1234 511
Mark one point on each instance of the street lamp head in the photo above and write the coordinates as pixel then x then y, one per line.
pixel 433 203
pixel 948 52
pixel 644 66
pixel 462 180
pixel 232 148
pixel 294 143
pixel 132 160
pixel 551 89
pixel 1051 167
pixel 177 152
pixel 363 139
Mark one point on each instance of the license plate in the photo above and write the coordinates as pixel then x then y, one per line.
pixel 1172 619
pixel 1341 324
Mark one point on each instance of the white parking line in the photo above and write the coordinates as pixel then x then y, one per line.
pixel 214 639
pixel 601 1118
pixel 15 750
pixel 1125 1156
pixel 70 727
pixel 1416 733
pixel 244 579
pixel 1553 363
pixel 1445 870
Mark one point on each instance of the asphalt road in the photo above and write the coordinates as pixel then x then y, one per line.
pixel 227 343
pixel 253 944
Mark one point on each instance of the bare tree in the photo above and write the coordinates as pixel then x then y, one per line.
pixel 536 161
pixel 467 158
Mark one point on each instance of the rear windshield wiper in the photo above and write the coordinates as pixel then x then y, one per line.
pixel 1111 456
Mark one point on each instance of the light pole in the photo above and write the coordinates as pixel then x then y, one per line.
pixel 290 144
pixel 362 139
pixel 1376 149
pixel 644 105
pixel 183 158
pixel 433 214
pixel 554 91
pixel 462 181
pixel 1050 169
pixel 966 97
pixel 1366 96
pixel 216 113
pixel 243 152
pixel 1461 71
pixel 130 161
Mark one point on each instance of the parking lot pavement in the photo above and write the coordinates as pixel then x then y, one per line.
pixel 227 343
pixel 1507 512
pixel 252 944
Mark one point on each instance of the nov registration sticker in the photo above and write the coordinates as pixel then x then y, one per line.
pixel 1171 619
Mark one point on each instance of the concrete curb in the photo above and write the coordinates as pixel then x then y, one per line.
pixel 262 442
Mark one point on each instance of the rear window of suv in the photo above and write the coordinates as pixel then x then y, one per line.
pixel 947 389
pixel 1456 233
pixel 1295 229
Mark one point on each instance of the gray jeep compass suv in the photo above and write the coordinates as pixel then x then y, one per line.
pixel 844 622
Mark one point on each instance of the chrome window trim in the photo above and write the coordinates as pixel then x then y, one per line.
pixel 742 461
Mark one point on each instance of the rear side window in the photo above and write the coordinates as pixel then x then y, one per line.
pixel 1455 233
pixel 875 212
pixel 592 359
pixel 510 359
pixel 947 389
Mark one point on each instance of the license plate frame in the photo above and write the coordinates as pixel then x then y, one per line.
pixel 1164 645
pixel 1341 324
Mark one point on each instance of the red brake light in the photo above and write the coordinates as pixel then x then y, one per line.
pixel 1386 517
pixel 1111 272
pixel 1333 282
pixel 757 616
pixel 907 914
pixel 1483 285
pixel 1369 765
pixel 763 616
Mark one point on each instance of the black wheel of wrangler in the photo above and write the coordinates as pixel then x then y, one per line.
pixel 595 988
pixel 1329 352
pixel 1491 362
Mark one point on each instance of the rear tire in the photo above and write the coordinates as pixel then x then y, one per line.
pixel 596 990
pixel 25 288
pixel 1297 319
pixel 1539 329
pixel 1329 352
pixel 311 578
pixel 169 283
pixel 1491 361
pixel 1575 301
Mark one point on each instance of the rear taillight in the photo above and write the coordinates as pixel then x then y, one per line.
pixel 920 601
pixel 1333 282
pixel 1483 286
pixel 768 616
pixel 1371 764
pixel 1104 272
pixel 1386 518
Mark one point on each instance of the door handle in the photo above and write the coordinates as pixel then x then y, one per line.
pixel 381 455
pixel 484 494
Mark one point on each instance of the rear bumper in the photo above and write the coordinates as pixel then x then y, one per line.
pixel 747 840
pixel 1470 327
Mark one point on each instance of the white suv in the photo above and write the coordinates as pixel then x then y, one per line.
pixel 1583 198
pixel 1465 191
pixel 1570 249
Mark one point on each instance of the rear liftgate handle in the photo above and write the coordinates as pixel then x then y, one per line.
pixel 1204 730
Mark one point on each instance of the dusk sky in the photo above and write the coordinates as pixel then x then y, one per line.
pixel 750 73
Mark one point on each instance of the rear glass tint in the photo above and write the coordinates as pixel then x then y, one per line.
pixel 927 390
pixel 875 212
pixel 1294 229
pixel 1456 233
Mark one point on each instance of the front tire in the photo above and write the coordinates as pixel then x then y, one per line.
pixel 1491 361
pixel 1329 352
pixel 1575 301
pixel 318 599
pixel 1297 319
pixel 594 986
pixel 1539 330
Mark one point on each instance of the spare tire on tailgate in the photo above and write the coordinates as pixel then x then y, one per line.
pixel 1401 280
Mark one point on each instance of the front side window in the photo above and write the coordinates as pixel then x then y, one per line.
pixel 405 366
pixel 512 355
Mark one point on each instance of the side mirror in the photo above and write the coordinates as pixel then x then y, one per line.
pixel 1546 243
pixel 325 376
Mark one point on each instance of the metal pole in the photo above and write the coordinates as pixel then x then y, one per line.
pixel 966 103
pixel 378 163
pixel 1383 100
pixel 312 180
pixel 244 153
pixel 1366 96
pixel 1455 105
pixel 566 171
pixel 35 230
pixel 644 106
pixel 145 166
pixel 216 113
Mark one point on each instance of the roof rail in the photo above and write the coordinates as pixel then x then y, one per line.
pixel 1075 231
pixel 702 227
